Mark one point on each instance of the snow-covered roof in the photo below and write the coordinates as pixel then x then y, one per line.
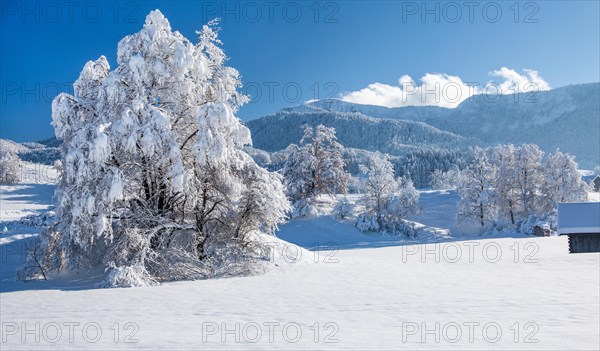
pixel 579 217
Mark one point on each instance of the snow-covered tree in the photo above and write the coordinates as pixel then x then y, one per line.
pixel 298 173
pixel 477 200
pixel 343 208
pixel 387 200
pixel 516 184
pixel 563 183
pixel 440 180
pixel 155 180
pixel 406 199
pixel 379 186
pixel 529 177
pixel 9 167
pixel 506 183
pixel 317 166
pixel 520 187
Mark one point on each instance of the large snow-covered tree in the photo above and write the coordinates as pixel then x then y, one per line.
pixel 563 182
pixel 520 183
pixel 155 182
pixel 529 178
pixel 9 167
pixel 477 202
pixel 317 166
pixel 379 186
pixel 506 185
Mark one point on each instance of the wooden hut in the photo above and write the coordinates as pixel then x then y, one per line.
pixel 596 184
pixel 581 223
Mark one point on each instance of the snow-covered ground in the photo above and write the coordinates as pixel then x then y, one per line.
pixel 352 291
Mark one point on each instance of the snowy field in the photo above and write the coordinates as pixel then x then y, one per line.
pixel 351 291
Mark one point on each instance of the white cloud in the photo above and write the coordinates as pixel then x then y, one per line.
pixel 515 82
pixel 439 89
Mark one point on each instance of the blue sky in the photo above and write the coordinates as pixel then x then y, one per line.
pixel 291 52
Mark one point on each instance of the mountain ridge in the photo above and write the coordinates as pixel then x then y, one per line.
pixel 566 118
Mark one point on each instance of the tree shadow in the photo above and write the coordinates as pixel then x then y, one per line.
pixel 13 256
pixel 38 194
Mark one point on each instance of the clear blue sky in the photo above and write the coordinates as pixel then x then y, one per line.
pixel 330 47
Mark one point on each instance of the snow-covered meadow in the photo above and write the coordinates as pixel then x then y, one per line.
pixel 338 289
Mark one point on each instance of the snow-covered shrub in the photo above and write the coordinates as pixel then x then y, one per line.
pixel 9 167
pixel 367 223
pixel 128 276
pixel 395 227
pixel 304 208
pixel 400 228
pixel 235 258
pixel 153 148
pixel 528 225
pixel 44 220
pixel 343 208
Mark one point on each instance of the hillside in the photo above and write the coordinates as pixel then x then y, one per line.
pixel 567 118
pixel 33 152
pixel 355 130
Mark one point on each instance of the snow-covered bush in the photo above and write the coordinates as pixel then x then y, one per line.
pixel 128 276
pixel 152 149
pixel 367 223
pixel 304 208
pixel 401 228
pixel 9 167
pixel 343 208
pixel 43 220
pixel 528 225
